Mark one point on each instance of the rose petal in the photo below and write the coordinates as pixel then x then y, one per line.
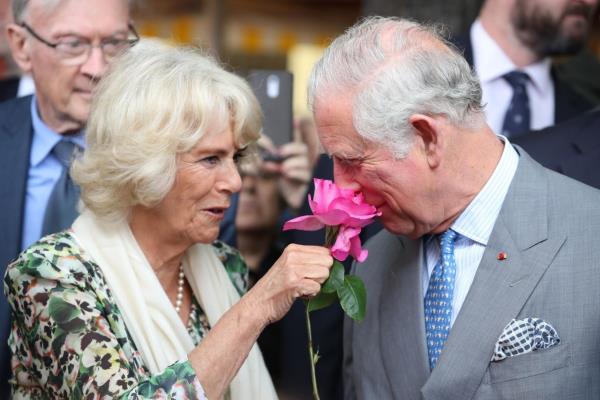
pixel 359 214
pixel 357 251
pixel 304 223
pixel 333 217
pixel 342 245
pixel 325 192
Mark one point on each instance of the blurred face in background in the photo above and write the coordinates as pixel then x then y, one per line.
pixel 553 27
pixel 259 203
pixel 63 87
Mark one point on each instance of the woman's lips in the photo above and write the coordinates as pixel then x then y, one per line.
pixel 218 212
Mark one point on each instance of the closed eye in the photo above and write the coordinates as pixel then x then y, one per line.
pixel 346 162
pixel 210 161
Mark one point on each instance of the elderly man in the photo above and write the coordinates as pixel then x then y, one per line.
pixel 66 46
pixel 483 284
pixel 510 46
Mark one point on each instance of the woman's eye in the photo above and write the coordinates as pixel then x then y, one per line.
pixel 210 161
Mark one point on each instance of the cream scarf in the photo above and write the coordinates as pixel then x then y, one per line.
pixel 157 330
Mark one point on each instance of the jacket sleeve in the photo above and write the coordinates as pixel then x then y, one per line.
pixel 69 340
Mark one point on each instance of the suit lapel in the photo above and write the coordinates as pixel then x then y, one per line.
pixel 402 333
pixel 500 288
pixel 15 146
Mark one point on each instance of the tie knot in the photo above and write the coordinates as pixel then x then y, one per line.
pixel 447 241
pixel 516 79
pixel 63 151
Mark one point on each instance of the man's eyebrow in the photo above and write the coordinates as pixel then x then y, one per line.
pixel 346 157
pixel 59 34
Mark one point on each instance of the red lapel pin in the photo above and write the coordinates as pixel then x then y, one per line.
pixel 502 256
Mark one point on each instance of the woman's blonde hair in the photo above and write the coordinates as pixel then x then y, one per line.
pixel 156 102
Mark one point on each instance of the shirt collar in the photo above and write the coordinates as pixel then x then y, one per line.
pixel 492 63
pixel 478 219
pixel 44 138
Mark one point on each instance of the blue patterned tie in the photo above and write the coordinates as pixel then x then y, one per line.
pixel 517 117
pixel 438 300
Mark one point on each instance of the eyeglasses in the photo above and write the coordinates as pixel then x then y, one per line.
pixel 75 50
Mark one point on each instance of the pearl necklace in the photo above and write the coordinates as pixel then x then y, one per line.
pixel 180 283
pixel 179 298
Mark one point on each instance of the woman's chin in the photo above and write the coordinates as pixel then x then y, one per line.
pixel 204 234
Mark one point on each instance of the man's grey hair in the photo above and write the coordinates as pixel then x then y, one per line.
pixel 19 7
pixel 394 68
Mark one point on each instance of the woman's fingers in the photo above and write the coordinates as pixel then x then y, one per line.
pixel 299 272
pixel 317 273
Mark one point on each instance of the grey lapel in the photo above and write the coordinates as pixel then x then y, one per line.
pixel 500 288
pixel 402 332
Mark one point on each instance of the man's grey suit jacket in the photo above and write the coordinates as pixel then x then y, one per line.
pixel 549 226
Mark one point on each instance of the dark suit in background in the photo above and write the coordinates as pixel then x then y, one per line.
pixel 9 88
pixel 15 145
pixel 571 148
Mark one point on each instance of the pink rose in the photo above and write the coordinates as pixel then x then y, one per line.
pixel 334 206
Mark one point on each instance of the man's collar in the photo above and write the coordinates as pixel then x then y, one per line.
pixel 478 219
pixel 44 138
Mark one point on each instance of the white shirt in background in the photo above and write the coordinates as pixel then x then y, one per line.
pixel 490 64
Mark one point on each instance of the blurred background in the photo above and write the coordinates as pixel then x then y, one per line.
pixel 282 34
pixel 268 34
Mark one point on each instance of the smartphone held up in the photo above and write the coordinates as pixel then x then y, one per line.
pixel 274 90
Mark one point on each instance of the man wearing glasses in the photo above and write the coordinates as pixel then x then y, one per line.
pixel 66 46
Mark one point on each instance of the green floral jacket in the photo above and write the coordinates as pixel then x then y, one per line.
pixel 68 338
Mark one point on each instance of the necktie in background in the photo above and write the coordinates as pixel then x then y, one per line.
pixel 518 116
pixel 438 300
pixel 61 210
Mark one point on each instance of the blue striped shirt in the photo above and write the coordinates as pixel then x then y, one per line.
pixel 474 226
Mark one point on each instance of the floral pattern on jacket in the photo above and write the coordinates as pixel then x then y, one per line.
pixel 68 338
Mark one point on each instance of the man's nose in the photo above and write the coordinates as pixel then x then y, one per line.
pixel 95 65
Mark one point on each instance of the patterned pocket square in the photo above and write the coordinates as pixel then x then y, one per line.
pixel 523 336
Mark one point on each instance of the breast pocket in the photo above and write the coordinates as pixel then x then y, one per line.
pixel 530 364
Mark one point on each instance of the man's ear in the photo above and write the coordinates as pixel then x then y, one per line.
pixel 19 46
pixel 428 129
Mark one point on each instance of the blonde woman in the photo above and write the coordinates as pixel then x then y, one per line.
pixel 137 300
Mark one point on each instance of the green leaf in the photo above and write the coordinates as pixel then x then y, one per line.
pixel 62 311
pixel 58 341
pixel 321 300
pixel 336 278
pixel 353 297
